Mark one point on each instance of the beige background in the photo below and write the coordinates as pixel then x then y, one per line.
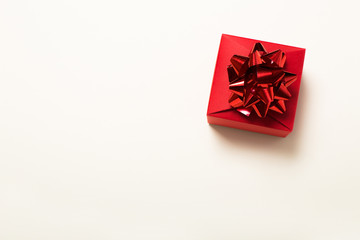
pixel 103 133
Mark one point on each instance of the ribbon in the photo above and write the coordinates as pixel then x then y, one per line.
pixel 258 82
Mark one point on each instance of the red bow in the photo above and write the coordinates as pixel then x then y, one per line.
pixel 258 82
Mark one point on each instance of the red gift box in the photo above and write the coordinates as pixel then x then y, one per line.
pixel 220 112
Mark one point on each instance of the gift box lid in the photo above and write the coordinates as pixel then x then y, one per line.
pixel 218 103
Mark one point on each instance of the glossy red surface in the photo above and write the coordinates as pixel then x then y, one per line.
pixel 258 82
pixel 280 120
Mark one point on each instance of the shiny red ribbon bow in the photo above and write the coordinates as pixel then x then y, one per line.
pixel 258 82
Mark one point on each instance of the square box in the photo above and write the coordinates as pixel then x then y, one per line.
pixel 220 112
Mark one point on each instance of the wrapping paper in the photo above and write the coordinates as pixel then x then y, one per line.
pixel 275 118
